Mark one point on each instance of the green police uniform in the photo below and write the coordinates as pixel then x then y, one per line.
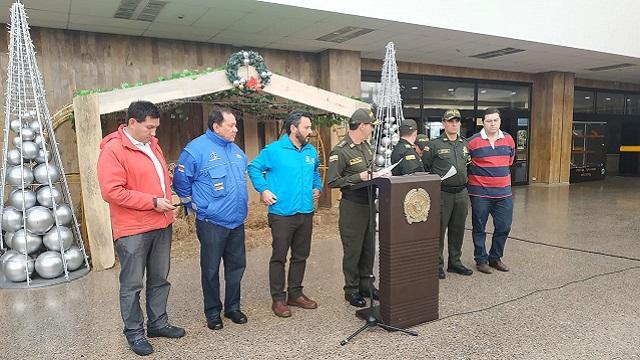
pixel 346 161
pixel 438 158
pixel 410 162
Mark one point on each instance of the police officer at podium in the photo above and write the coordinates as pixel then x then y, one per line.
pixel 447 151
pixel 349 163
pixel 405 151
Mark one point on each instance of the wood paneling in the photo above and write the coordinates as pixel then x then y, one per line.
pixel 551 122
pixel 450 71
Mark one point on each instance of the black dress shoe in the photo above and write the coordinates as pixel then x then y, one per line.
pixel 215 323
pixel 460 269
pixel 236 316
pixel 141 346
pixel 376 294
pixel 355 300
pixel 168 331
pixel 441 274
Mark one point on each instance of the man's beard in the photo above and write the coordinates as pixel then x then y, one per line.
pixel 302 139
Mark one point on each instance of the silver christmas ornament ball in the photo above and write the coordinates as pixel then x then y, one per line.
pixel 6 257
pixel 381 149
pixel 17 142
pixel 380 160
pixel 27 134
pixel 13 157
pixel 35 126
pixel 18 197
pixel 30 150
pixel 64 214
pixel 49 264
pixel 46 195
pixel 42 176
pixel 38 140
pixel 56 235
pixel 41 158
pixel 24 240
pixel 11 219
pixel 15 125
pixel 39 220
pixel 245 61
pixel 394 127
pixel 388 152
pixel 387 125
pixel 394 139
pixel 385 141
pixel 7 238
pixel 74 258
pixel 14 268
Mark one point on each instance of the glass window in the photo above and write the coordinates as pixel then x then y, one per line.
pixel 610 103
pixel 369 91
pixel 633 104
pixel 583 101
pixel 411 94
pixel 439 94
pixel 503 96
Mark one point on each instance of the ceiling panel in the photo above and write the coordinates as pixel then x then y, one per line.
pixel 174 13
pixel 103 8
pixel 105 29
pixel 50 5
pixel 217 18
pixel 110 21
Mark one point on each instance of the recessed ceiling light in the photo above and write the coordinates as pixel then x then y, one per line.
pixel 587 97
pixel 483 91
pixel 608 99
pixel 513 93
pixel 414 88
pixel 450 89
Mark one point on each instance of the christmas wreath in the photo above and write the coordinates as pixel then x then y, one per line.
pixel 247 58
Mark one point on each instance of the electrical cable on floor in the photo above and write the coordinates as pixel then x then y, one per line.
pixel 551 288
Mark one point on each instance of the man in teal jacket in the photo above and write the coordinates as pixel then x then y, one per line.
pixel 286 175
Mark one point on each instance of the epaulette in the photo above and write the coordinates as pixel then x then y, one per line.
pixel 341 143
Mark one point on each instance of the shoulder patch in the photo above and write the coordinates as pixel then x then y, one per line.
pixel 341 143
pixel 407 146
pixel 352 145
pixel 333 158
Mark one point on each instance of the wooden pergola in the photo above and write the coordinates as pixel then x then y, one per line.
pixel 88 108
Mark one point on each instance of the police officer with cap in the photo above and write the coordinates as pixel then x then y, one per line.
pixel 451 149
pixel 349 164
pixel 405 151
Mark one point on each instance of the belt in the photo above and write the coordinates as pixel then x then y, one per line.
pixel 453 189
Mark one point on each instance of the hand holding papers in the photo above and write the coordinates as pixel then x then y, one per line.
pixel 385 171
pixel 450 173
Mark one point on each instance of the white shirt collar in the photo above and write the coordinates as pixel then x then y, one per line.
pixel 483 134
pixel 134 141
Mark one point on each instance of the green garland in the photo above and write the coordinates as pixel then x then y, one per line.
pixel 247 58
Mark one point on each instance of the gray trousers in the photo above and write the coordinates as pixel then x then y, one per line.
pixel 150 251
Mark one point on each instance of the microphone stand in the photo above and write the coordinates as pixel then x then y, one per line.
pixel 371 315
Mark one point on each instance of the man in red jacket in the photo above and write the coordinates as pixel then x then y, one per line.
pixel 134 180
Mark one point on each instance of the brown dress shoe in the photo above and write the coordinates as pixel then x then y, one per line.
pixel 484 268
pixel 280 309
pixel 303 301
pixel 498 265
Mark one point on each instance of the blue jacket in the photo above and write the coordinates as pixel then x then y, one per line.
pixel 210 176
pixel 290 174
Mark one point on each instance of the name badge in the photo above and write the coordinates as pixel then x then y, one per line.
pixel 444 151
pixel 410 157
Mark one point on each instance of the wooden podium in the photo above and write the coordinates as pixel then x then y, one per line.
pixel 409 236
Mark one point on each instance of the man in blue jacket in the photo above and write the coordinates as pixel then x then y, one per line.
pixel 210 178
pixel 286 175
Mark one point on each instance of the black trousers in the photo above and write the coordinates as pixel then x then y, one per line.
pixel 289 232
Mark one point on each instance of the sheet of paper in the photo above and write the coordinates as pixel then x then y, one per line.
pixel 385 171
pixel 450 173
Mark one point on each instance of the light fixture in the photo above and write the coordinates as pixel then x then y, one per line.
pixel 513 93
pixel 414 88
pixel 450 89
pixel 587 97
pixel 608 99
pixel 483 91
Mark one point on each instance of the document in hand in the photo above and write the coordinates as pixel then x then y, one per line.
pixel 450 173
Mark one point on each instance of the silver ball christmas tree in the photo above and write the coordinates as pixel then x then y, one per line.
pixel 32 166
pixel 389 109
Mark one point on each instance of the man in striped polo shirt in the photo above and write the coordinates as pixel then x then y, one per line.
pixel 492 153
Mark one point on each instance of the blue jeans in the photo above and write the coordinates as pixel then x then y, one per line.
pixel 219 243
pixel 501 211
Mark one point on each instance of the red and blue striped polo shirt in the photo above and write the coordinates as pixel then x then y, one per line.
pixel 489 171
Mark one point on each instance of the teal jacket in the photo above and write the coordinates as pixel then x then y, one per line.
pixel 290 174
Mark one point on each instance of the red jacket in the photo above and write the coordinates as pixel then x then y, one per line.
pixel 128 182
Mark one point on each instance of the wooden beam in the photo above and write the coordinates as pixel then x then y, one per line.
pixel 163 91
pixel 97 219
pixel 313 96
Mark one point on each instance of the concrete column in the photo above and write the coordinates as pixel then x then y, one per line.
pixel 339 73
pixel 551 124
